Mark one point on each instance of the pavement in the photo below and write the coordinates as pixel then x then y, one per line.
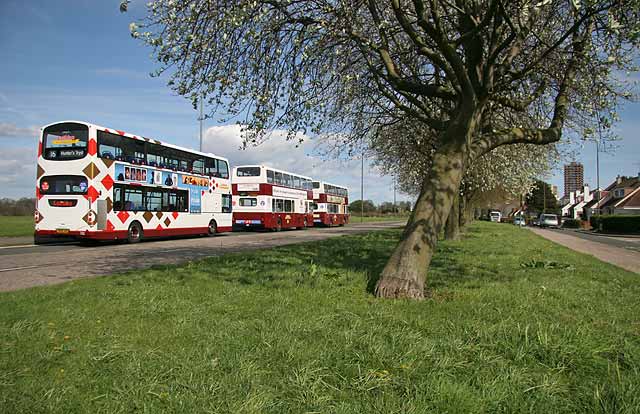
pixel 26 265
pixel 620 251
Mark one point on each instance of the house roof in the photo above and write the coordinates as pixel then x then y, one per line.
pixel 631 201
pixel 590 203
pixel 627 182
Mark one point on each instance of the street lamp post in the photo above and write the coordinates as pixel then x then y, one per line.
pixel 362 189
pixel 201 119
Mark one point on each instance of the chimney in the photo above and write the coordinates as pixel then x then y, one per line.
pixel 618 180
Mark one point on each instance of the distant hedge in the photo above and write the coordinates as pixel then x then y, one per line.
pixel 616 224
pixel 571 224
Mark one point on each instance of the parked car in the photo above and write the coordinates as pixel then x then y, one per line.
pixel 519 221
pixel 495 216
pixel 549 220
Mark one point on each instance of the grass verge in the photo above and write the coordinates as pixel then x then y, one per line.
pixel 16 226
pixel 369 219
pixel 513 323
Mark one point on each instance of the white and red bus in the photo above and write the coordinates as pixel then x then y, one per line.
pixel 268 198
pixel 331 204
pixel 101 183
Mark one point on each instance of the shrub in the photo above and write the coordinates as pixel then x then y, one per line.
pixel 619 224
pixel 595 222
pixel 571 224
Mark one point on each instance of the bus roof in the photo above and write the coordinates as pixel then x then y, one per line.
pixel 273 169
pixel 139 137
pixel 335 185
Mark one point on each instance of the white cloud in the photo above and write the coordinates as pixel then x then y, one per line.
pixel 8 130
pixel 277 152
pixel 18 172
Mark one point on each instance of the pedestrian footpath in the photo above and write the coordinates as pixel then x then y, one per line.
pixel 618 256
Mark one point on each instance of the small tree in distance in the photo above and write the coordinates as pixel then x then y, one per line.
pixel 541 199
pixel 355 208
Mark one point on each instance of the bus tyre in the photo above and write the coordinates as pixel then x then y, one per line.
pixel 134 235
pixel 213 228
pixel 278 226
pixel 37 239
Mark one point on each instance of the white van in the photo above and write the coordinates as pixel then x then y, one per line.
pixel 495 216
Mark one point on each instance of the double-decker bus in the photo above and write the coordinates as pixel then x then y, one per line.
pixel 100 183
pixel 331 204
pixel 268 198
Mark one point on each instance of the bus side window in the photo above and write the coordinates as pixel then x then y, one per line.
pixel 198 166
pixel 181 201
pixel 270 176
pixel 226 203
pixel 223 169
pixel 211 167
pixel 117 198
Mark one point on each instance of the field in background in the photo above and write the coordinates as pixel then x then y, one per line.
pixel 512 323
pixel 16 226
pixel 368 219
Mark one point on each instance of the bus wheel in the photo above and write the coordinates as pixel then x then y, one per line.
pixel 278 226
pixel 134 235
pixel 213 228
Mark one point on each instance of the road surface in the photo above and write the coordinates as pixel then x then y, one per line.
pixel 623 252
pixel 28 265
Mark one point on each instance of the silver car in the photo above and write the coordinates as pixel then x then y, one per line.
pixel 549 220
pixel 519 221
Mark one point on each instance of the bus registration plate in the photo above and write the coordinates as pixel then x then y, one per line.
pixel 62 231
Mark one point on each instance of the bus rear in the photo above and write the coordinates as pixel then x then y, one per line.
pixel 64 191
pixel 105 184
pixel 331 204
pixel 266 198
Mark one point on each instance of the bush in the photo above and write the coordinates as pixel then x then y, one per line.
pixel 595 222
pixel 571 224
pixel 618 224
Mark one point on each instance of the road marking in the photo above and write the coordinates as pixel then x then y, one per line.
pixel 17 268
pixel 18 246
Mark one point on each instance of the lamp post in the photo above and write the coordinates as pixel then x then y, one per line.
pixel 201 119
pixel 394 195
pixel 362 188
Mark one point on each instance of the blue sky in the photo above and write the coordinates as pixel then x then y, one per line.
pixel 75 59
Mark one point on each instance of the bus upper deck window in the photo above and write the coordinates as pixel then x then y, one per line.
pixel 65 141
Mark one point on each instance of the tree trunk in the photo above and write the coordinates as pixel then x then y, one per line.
pixel 405 273
pixel 466 212
pixel 452 226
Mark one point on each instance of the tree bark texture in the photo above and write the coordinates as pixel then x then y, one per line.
pixel 452 227
pixel 405 273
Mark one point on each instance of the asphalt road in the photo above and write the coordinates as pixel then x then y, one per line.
pixel 28 265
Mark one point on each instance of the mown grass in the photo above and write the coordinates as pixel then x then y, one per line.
pixel 512 323
pixel 16 226
pixel 369 219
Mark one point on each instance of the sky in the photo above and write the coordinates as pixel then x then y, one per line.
pixel 75 60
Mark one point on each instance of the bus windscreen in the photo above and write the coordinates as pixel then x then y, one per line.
pixel 248 172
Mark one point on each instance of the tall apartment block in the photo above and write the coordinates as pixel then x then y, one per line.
pixel 573 177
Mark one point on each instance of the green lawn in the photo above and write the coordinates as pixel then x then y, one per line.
pixel 513 323
pixel 368 219
pixel 15 226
